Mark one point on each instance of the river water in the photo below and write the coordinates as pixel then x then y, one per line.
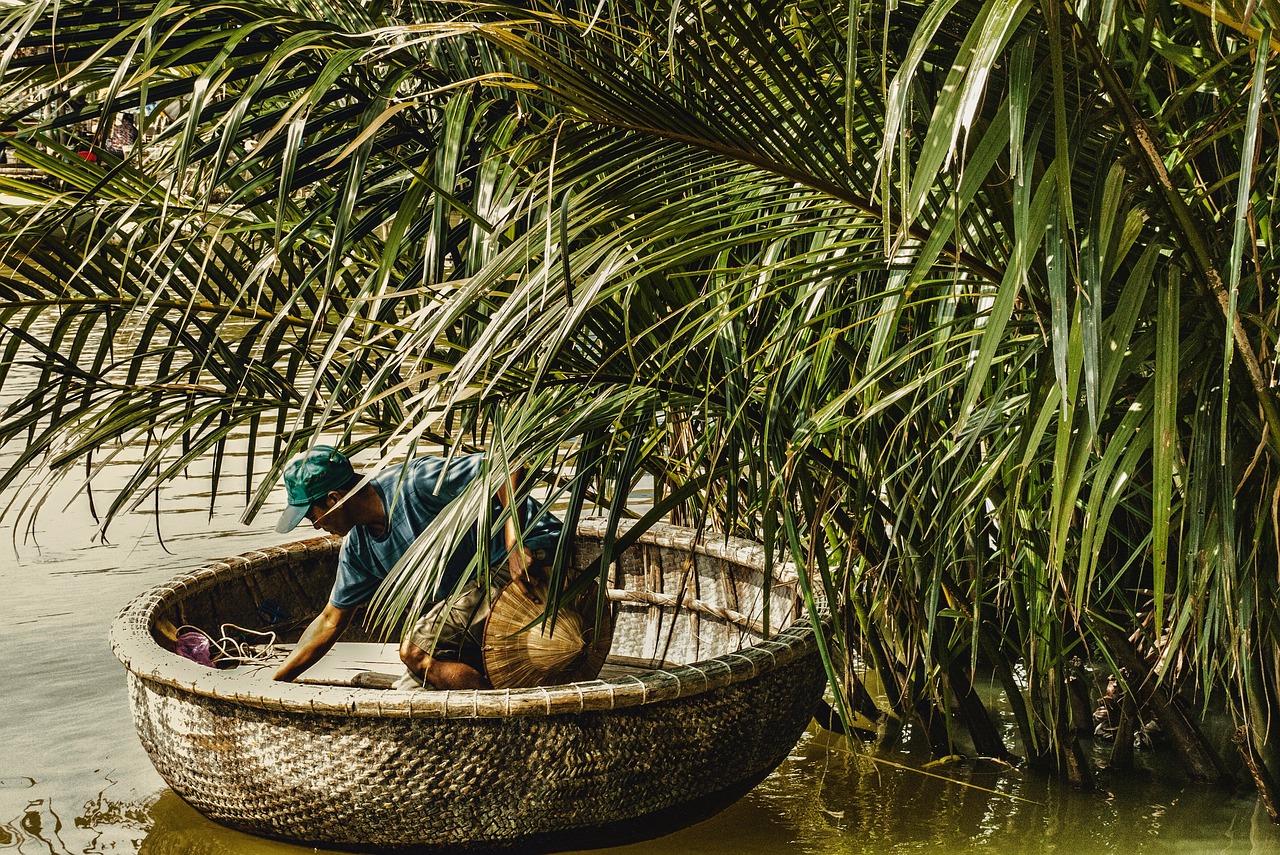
pixel 74 778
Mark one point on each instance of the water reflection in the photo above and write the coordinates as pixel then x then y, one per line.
pixel 847 802
pixel 29 823
pixel 825 799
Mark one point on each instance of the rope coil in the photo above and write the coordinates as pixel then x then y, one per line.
pixel 232 649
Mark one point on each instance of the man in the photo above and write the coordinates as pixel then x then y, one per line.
pixel 379 521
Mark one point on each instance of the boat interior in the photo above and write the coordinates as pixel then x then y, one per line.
pixel 670 606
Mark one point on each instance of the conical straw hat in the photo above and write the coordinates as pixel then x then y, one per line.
pixel 517 657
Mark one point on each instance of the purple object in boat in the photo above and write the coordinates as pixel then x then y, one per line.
pixel 195 646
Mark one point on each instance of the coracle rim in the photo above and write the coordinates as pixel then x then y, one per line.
pixel 144 659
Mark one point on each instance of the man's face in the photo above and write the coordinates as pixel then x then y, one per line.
pixel 326 515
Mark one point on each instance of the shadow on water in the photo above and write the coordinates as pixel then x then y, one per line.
pixel 177 829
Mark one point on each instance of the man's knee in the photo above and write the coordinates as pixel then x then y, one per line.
pixel 414 657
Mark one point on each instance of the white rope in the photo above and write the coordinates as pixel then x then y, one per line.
pixel 232 649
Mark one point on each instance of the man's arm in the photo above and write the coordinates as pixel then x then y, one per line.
pixel 518 560
pixel 319 636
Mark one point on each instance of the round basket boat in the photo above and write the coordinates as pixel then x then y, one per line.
pixel 700 701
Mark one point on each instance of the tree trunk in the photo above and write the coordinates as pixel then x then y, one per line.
pixel 1198 758
pixel 1080 705
pixel 986 737
pixel 854 691
pixel 1074 762
pixel 1261 777
pixel 1258 738
pixel 1122 749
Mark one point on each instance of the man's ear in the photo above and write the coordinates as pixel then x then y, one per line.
pixel 324 504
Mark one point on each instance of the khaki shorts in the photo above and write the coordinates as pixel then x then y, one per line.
pixel 453 630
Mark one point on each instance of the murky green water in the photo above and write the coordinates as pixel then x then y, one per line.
pixel 74 779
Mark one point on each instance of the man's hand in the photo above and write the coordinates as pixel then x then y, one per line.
pixel 518 561
pixel 316 640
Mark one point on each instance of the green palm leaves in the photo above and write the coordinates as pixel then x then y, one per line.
pixel 962 305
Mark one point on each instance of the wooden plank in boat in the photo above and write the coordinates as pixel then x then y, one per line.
pixel 348 658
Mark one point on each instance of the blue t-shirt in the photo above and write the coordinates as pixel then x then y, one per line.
pixel 413 497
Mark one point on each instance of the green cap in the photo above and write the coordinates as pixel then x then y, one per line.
pixel 311 476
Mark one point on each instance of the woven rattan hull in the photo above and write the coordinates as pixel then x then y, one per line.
pixel 576 765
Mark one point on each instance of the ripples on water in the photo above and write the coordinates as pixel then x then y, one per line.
pixel 74 779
